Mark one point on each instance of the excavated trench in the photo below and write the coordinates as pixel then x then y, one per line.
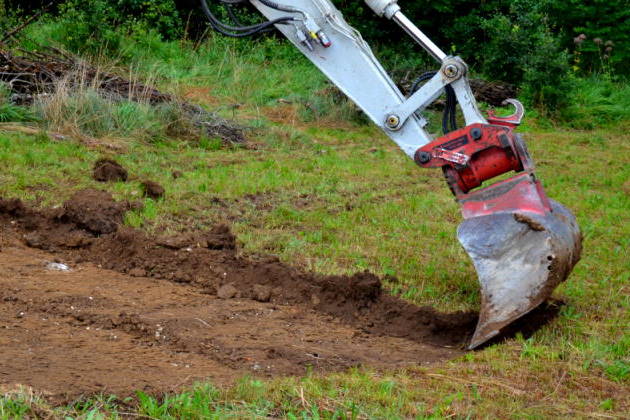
pixel 132 312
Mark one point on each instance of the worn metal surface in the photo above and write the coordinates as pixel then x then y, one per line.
pixel 520 258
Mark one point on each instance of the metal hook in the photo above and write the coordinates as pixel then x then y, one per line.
pixel 511 120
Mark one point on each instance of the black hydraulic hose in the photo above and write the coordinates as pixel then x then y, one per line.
pixel 215 20
pixel 281 7
pixel 229 6
pixel 239 31
pixel 422 78
pixel 450 111
pixel 232 15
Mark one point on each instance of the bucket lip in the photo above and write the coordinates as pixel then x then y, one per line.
pixel 487 331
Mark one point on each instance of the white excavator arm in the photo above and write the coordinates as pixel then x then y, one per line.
pixel 522 243
pixel 339 51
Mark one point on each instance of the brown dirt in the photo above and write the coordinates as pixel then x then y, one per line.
pixel 158 314
pixel 153 190
pixel 108 170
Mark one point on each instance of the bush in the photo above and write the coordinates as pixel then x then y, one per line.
pixel 606 21
pixel 522 50
pixel 97 25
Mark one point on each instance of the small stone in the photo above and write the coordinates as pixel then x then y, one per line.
pixel 315 300
pixel 262 293
pixel 137 272
pixel 34 240
pixel 227 291
pixel 55 266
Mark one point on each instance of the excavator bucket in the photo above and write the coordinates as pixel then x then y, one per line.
pixel 520 256
pixel 522 244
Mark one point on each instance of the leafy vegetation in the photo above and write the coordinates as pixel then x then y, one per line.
pixel 530 43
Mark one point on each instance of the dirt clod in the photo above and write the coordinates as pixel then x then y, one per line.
pixel 95 211
pixel 262 293
pixel 137 272
pixel 108 170
pixel 12 207
pixel 227 292
pixel 534 225
pixel 153 190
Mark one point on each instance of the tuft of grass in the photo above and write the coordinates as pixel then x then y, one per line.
pixel 10 112
pixel 81 109
pixel 597 101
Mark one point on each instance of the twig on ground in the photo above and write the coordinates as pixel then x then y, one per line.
pixel 484 382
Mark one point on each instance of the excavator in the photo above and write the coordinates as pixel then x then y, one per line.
pixel 521 243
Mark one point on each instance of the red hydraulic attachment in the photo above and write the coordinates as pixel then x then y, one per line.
pixel 480 152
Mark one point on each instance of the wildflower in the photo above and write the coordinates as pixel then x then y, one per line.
pixel 598 41
pixel 609 43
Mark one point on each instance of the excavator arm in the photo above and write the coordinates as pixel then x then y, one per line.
pixel 522 244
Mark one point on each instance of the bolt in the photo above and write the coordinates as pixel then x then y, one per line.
pixel 451 71
pixel 393 121
pixel 424 157
pixel 476 133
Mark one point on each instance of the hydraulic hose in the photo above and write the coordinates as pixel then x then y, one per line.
pixel 449 119
pixel 239 31
pixel 281 7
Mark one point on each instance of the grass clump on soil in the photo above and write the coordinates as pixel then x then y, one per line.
pixel 10 112
pixel 87 113
pixel 337 197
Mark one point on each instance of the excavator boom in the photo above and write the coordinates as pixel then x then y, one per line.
pixel 521 243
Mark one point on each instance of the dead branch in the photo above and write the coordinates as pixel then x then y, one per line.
pixel 25 24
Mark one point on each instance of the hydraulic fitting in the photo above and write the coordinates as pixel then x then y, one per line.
pixel 323 39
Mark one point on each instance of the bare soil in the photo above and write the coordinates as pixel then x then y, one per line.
pixel 158 314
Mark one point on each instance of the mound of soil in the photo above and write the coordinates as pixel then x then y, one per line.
pixel 85 216
pixel 107 170
pixel 153 190
pixel 157 314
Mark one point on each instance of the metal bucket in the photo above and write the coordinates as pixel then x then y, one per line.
pixel 520 258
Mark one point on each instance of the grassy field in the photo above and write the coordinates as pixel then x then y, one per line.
pixel 321 189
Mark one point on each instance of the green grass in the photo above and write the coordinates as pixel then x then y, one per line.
pixel 10 112
pixel 337 197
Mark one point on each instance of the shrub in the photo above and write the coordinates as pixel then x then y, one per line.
pixel 97 25
pixel 522 50
pixel 606 21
